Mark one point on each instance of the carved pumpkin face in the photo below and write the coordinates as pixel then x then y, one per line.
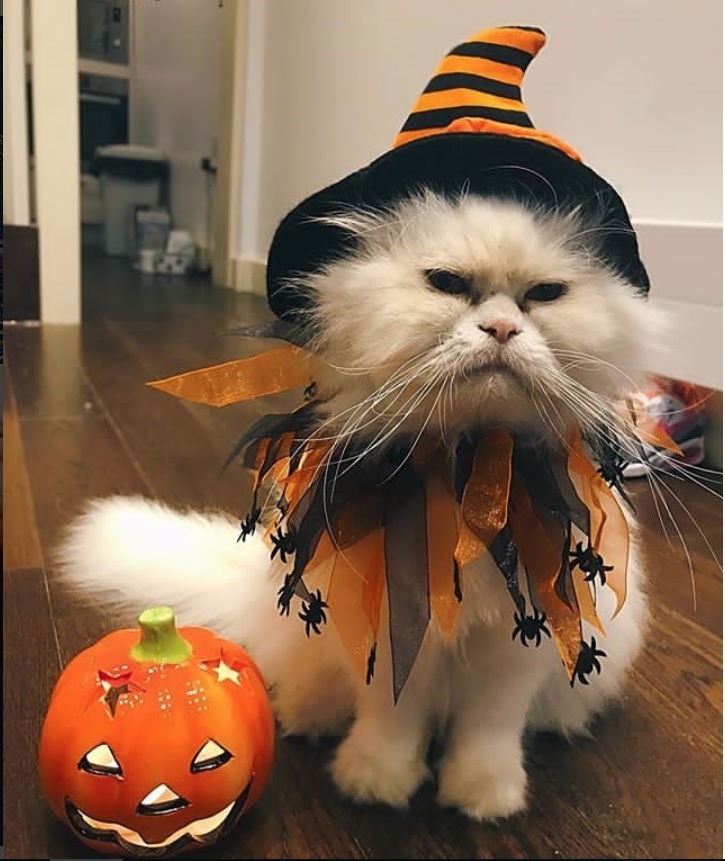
pixel 151 757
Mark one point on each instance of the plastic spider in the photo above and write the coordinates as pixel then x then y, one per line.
pixel 249 524
pixel 587 662
pixel 530 627
pixel 313 613
pixel 285 595
pixel 611 469
pixel 285 543
pixel 590 563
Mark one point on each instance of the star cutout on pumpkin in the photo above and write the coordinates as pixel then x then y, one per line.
pixel 115 685
pixel 225 672
pixel 226 667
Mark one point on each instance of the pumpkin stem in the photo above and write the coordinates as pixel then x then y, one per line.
pixel 160 640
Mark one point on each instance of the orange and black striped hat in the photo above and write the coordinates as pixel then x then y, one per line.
pixel 469 129
pixel 477 88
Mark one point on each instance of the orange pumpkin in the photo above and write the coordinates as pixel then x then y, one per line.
pixel 157 745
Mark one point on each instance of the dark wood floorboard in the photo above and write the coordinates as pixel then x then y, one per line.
pixel 82 423
pixel 21 545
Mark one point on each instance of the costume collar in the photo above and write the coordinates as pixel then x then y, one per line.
pixel 415 522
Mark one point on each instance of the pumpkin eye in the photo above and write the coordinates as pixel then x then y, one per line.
pixel 100 760
pixel 211 755
pixel 452 283
pixel 546 292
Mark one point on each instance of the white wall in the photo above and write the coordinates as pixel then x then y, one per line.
pixel 53 27
pixel 175 85
pixel 16 186
pixel 634 85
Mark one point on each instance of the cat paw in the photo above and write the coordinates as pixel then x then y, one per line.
pixel 480 793
pixel 366 771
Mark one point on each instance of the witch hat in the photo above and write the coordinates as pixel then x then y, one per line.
pixel 468 131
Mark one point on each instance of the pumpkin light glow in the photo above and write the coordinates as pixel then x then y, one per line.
pixel 156 745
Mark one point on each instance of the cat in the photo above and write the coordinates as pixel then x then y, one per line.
pixel 446 315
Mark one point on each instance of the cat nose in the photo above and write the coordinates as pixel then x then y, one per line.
pixel 501 330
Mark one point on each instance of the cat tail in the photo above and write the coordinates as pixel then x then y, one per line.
pixel 128 553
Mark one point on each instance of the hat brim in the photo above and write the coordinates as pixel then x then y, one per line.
pixel 487 165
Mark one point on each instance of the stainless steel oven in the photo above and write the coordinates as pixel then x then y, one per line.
pixel 103 114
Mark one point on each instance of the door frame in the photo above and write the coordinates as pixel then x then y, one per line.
pixel 232 108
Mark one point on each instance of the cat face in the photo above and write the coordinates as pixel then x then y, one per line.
pixel 455 315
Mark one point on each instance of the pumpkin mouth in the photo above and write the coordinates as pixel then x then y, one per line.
pixel 204 831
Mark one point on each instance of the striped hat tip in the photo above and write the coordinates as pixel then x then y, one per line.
pixel 477 88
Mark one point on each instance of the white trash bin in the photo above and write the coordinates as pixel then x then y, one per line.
pixel 130 176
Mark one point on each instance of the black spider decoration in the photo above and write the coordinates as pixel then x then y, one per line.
pixel 611 469
pixel 587 662
pixel 285 595
pixel 249 524
pixel 285 543
pixel 313 613
pixel 530 627
pixel 590 562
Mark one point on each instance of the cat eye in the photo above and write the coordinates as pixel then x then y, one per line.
pixel 546 292
pixel 452 283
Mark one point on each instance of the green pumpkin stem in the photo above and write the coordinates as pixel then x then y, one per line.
pixel 160 640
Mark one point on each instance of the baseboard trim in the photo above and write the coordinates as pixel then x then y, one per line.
pixel 684 260
pixel 685 265
pixel 250 276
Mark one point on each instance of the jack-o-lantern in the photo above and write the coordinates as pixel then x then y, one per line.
pixel 157 745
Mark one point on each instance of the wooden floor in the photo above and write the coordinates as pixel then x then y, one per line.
pixel 78 422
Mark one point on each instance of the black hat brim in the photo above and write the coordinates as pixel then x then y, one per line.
pixel 489 165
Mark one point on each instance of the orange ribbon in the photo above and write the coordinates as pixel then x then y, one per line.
pixel 357 581
pixel 648 429
pixel 484 507
pixel 442 536
pixel 268 373
pixel 542 559
pixel 351 549
pixel 609 532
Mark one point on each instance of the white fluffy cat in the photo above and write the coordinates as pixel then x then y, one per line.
pixel 452 315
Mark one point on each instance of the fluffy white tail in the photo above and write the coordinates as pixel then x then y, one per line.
pixel 133 553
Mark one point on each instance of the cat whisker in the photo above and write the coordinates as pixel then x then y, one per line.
pixel 360 370
pixel 387 432
pixel 355 424
pixel 582 359
pixel 693 520
pixel 621 438
pixel 658 511
pixel 384 391
pixel 657 486
pixel 415 442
